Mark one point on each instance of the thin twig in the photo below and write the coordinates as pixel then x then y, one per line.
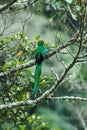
pixel 62 62
pixel 80 117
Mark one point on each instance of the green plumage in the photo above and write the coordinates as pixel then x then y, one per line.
pixel 37 77
pixel 40 54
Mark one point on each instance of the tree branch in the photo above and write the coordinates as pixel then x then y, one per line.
pixel 7 5
pixel 32 103
pixel 82 61
pixel 29 64
pixel 67 98
pixel 32 62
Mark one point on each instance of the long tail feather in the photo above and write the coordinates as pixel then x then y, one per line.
pixel 37 77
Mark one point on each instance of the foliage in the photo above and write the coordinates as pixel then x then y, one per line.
pixel 29 123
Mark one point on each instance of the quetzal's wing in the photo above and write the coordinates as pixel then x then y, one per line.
pixel 39 58
pixel 40 52
pixel 44 51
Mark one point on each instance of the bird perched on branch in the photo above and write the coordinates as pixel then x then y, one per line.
pixel 40 53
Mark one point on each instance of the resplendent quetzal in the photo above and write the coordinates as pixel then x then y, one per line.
pixel 40 53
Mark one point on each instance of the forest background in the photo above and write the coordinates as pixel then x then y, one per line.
pixel 61 102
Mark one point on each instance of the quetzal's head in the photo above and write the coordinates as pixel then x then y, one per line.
pixel 40 43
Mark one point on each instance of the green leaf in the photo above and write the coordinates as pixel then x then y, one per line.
pixel 22 127
pixel 64 18
pixel 37 37
pixel 69 1
pixel 7 125
pixel 51 18
pixel 4 40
